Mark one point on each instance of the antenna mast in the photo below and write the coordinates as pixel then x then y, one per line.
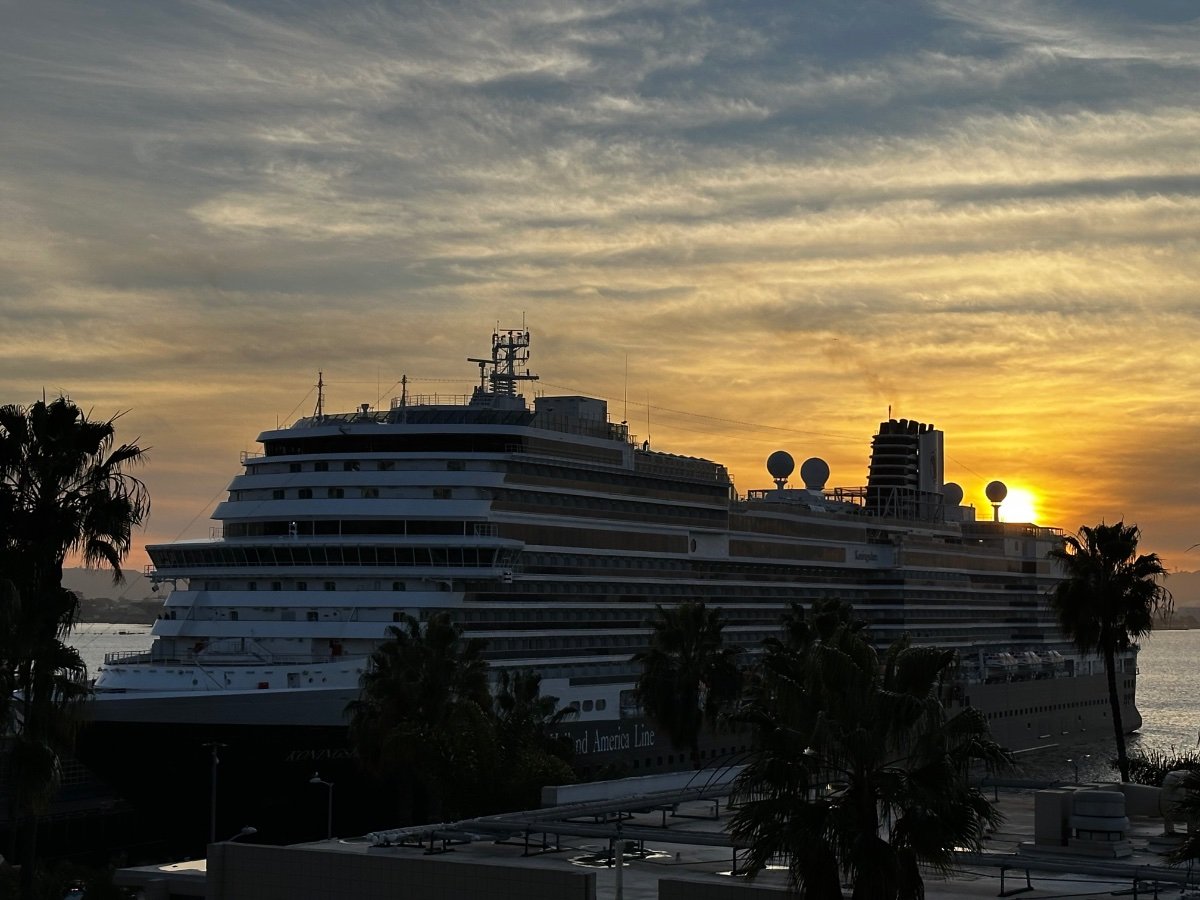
pixel 625 419
pixel 508 365
pixel 319 413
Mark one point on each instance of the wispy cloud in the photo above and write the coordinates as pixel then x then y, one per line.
pixel 789 217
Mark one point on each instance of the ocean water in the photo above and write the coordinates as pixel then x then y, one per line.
pixel 93 640
pixel 1168 697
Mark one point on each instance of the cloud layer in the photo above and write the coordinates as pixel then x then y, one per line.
pixel 787 217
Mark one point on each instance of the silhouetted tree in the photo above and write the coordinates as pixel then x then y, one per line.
pixel 858 772
pixel 688 674
pixel 64 490
pixel 1107 599
pixel 423 716
pixel 531 754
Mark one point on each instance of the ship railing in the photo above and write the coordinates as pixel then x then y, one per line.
pixel 852 496
pixel 431 400
pixel 558 454
pixel 118 657
pixel 248 455
pixel 586 427
pixel 681 467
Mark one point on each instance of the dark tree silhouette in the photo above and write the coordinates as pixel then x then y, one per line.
pixel 64 490
pixel 531 755
pixel 858 771
pixel 422 716
pixel 1108 598
pixel 688 675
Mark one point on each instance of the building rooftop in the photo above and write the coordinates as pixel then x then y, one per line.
pixel 669 838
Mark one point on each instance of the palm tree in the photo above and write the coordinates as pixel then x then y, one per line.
pixel 1188 809
pixel 64 491
pixel 531 753
pixel 1107 599
pixel 423 715
pixel 688 675
pixel 858 772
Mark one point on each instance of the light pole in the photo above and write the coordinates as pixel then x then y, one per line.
pixel 316 779
pixel 213 747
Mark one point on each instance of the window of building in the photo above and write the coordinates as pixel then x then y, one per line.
pixel 305 493
pixel 233 615
pixel 321 466
pixel 302 585
pixel 252 586
pixel 277 494
pixel 336 493
pixel 293 467
pixel 331 585
pixel 311 615
pixel 277 585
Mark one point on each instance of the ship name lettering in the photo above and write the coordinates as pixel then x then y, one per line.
pixel 606 743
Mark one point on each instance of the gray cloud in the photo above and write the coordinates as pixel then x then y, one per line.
pixel 788 215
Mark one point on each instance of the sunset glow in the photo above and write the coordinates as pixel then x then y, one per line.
pixel 750 227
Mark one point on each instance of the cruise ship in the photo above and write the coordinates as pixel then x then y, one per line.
pixel 551 533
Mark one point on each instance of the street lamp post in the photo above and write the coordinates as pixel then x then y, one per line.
pixel 316 779
pixel 213 747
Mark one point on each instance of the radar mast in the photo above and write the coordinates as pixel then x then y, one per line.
pixel 508 365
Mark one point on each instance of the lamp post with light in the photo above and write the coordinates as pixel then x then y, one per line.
pixel 316 779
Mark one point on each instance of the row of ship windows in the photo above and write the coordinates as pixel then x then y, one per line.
pixel 291 585
pixel 720 751
pixel 562 473
pixel 631 507
pixel 336 493
pixel 345 465
pixel 358 527
pixel 322 555
pixel 744 608
pixel 569 476
pixel 1053 707
pixel 588 705
pixel 498 643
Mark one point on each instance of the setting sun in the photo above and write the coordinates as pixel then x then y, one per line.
pixel 1019 506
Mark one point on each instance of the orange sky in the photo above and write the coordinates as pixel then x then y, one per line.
pixel 783 218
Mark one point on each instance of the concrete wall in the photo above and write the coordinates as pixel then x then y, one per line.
pixel 683 889
pixel 248 872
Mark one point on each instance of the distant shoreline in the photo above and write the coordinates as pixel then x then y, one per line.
pixel 104 611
